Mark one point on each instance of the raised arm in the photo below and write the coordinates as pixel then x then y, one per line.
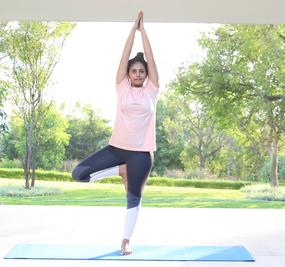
pixel 123 66
pixel 152 70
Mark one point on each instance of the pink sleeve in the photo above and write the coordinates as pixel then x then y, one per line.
pixel 121 85
pixel 152 87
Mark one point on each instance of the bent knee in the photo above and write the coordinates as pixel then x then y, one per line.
pixel 81 173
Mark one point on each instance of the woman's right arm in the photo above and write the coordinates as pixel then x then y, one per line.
pixel 123 66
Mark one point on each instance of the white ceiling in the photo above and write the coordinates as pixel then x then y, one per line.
pixel 195 11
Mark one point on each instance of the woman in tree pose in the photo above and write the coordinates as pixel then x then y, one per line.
pixel 130 150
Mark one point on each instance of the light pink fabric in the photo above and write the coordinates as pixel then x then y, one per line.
pixel 134 127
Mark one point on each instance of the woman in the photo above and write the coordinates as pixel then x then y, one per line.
pixel 130 150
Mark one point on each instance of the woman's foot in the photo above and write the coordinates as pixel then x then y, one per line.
pixel 123 174
pixel 125 247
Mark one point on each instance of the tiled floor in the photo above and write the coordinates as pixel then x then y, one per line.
pixel 261 231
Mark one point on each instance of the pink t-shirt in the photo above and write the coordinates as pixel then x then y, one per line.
pixel 134 127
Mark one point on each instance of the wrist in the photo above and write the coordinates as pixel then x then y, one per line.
pixel 134 28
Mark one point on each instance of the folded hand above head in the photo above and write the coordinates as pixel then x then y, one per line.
pixel 139 22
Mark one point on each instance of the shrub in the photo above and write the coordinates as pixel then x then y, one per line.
pixel 20 191
pixel 16 163
pixel 214 184
pixel 41 174
pixel 264 192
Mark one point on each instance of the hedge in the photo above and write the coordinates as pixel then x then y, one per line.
pixel 156 181
pixel 214 184
pixel 41 174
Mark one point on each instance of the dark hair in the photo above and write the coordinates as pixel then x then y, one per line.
pixel 138 58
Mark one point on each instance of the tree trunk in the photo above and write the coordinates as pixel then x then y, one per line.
pixel 33 177
pixel 34 158
pixel 273 163
pixel 229 167
pixel 36 147
pixel 26 173
pixel 202 161
pixel 202 167
pixel 27 165
pixel 28 155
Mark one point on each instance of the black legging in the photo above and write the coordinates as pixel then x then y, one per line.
pixel 138 163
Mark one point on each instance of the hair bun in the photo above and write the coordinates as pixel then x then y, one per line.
pixel 140 55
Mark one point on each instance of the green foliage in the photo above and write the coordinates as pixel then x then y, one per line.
pixel 242 156
pixel 3 88
pixel 11 164
pixel 3 115
pixel 3 123
pixel 203 140
pixel 281 166
pixel 60 136
pixel 12 142
pixel 243 75
pixel 168 153
pixel 281 170
pixel 88 132
pixel 52 134
pixel 54 140
pixel 240 82
pixel 8 149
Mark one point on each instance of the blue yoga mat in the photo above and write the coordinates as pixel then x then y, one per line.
pixel 140 253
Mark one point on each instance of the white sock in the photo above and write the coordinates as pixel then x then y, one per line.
pixel 113 171
pixel 130 223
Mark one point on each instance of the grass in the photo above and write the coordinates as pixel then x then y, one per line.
pixel 97 194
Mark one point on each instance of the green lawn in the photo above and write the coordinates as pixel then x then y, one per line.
pixel 95 194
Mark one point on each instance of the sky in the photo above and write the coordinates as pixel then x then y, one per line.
pixel 91 54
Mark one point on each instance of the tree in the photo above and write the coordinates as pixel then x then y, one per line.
pixel 167 155
pixel 3 115
pixel 197 131
pixel 241 81
pixel 3 124
pixel 88 132
pixel 33 50
pixel 53 139
pixel 13 139
pixel 3 90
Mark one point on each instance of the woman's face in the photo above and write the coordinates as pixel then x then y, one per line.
pixel 137 74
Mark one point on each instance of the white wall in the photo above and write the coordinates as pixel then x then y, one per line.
pixel 195 11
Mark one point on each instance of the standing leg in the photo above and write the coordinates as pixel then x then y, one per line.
pixel 123 174
pixel 138 168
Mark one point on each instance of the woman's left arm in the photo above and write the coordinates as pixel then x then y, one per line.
pixel 152 70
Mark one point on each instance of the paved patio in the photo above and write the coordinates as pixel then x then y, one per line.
pixel 261 231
